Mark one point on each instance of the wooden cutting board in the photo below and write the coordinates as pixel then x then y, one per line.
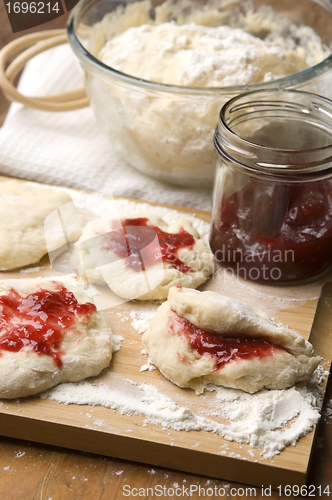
pixel 104 431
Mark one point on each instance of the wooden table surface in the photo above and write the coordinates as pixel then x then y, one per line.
pixel 30 471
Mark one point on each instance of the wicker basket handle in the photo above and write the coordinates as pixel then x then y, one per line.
pixel 32 45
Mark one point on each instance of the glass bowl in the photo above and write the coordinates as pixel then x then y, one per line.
pixel 166 131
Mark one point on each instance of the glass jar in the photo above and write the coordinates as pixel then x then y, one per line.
pixel 272 201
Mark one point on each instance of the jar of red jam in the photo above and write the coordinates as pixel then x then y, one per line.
pixel 272 202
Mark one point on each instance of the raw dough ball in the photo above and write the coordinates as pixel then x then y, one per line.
pixel 23 211
pixel 30 363
pixel 276 357
pixel 152 276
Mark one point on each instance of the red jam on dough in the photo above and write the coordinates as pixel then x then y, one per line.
pixel 138 235
pixel 40 320
pixel 221 349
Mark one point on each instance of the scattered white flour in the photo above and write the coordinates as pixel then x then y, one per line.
pixel 99 423
pixel 149 366
pixel 117 339
pixel 268 420
pixel 31 270
pixel 123 318
pixel 93 291
pixel 141 319
pixel 20 454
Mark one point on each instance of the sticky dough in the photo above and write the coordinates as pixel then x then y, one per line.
pixel 292 362
pixel 154 282
pixel 87 347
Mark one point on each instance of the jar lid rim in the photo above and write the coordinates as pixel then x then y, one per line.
pixel 310 171
pixel 285 103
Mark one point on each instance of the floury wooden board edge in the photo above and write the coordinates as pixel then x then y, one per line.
pixel 127 437
pixel 149 450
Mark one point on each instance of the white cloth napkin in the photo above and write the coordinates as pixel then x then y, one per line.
pixel 68 148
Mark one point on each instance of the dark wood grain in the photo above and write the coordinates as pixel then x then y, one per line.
pixel 29 471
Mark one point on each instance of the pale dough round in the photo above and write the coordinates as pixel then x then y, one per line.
pixel 154 282
pixel 23 211
pixel 87 347
pixel 209 311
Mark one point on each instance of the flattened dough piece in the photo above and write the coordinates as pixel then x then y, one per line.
pixel 189 265
pixel 188 341
pixel 80 346
pixel 23 210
